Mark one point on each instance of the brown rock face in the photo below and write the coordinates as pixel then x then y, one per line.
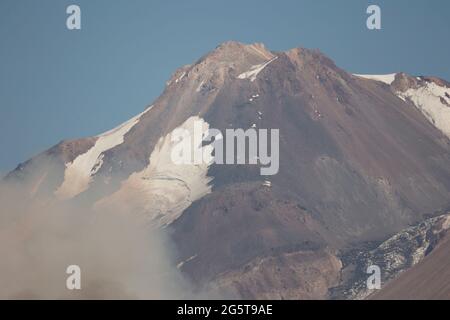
pixel 302 275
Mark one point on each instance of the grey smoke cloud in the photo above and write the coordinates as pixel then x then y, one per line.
pixel 120 255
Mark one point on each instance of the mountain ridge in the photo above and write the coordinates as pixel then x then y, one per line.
pixel 360 160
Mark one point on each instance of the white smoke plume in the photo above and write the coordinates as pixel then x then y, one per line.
pixel 120 255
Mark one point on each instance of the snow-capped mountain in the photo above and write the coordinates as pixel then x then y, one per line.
pixel 361 158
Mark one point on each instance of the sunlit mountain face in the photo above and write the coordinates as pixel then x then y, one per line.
pixel 362 177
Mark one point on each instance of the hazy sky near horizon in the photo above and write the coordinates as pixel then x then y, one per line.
pixel 59 84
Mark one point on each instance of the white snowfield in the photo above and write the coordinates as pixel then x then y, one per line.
pixel 431 99
pixel 386 78
pixel 163 190
pixel 255 70
pixel 434 102
pixel 78 174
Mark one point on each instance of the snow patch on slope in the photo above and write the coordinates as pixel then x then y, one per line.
pixel 199 88
pixel 434 102
pixel 180 77
pixel 182 263
pixel 78 174
pixel 255 70
pixel 163 190
pixel 386 78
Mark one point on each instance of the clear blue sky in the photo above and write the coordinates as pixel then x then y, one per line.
pixel 58 84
